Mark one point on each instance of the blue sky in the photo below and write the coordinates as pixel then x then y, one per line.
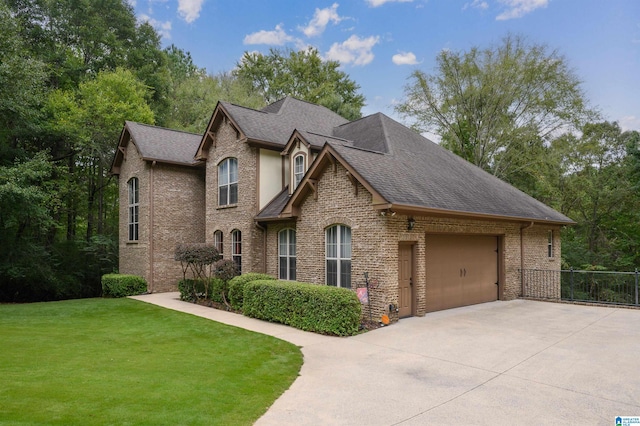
pixel 380 42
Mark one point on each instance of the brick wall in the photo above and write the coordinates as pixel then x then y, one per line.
pixel 178 217
pixel 133 256
pixel 238 216
pixel 375 241
pixel 174 196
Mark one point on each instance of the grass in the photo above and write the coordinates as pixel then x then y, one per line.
pixel 125 362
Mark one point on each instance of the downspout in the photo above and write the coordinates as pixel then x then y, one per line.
pixel 264 246
pixel 522 228
pixel 151 223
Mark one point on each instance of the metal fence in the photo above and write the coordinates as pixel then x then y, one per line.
pixel 619 288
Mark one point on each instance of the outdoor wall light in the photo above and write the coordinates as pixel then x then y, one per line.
pixel 411 222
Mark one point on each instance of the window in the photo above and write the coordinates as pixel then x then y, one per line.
pixel 550 244
pixel 287 254
pixel 236 249
pixel 298 170
pixel 217 241
pixel 338 256
pixel 228 182
pixel 134 206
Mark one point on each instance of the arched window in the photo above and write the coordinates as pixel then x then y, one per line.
pixel 298 170
pixel 236 249
pixel 338 256
pixel 217 241
pixel 134 206
pixel 228 182
pixel 287 254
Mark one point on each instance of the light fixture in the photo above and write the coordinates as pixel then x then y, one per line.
pixel 411 222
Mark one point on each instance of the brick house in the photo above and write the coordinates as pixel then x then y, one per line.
pixel 298 192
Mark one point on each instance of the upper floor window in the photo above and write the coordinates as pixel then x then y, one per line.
pixel 550 244
pixel 338 256
pixel 236 249
pixel 217 241
pixel 134 206
pixel 287 254
pixel 298 169
pixel 228 182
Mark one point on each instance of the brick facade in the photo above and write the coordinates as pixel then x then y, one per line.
pixel 172 211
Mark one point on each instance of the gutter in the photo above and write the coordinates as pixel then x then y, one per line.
pixel 151 225
pixel 264 246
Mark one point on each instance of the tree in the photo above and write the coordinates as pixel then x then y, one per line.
pixel 497 107
pixel 22 88
pixel 303 75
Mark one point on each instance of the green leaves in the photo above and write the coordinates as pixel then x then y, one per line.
pixel 303 75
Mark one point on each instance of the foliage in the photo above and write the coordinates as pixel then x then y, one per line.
pixel 309 307
pixel 496 107
pixel 237 285
pixel 121 361
pixel 304 75
pixel 121 285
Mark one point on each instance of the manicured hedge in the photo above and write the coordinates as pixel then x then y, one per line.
pixel 121 285
pixel 237 284
pixel 309 307
pixel 193 290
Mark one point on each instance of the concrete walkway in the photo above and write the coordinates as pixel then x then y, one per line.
pixel 519 362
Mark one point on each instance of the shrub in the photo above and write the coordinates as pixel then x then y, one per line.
pixel 191 290
pixel 120 285
pixel 237 284
pixel 309 307
pixel 218 290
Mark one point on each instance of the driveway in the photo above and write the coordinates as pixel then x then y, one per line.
pixel 519 362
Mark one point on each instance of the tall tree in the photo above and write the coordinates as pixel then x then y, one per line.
pixel 497 106
pixel 304 75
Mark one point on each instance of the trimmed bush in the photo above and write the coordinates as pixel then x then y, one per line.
pixel 121 285
pixel 309 307
pixel 191 290
pixel 237 284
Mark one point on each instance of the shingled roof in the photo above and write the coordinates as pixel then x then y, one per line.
pixel 409 172
pixel 158 144
pixel 276 122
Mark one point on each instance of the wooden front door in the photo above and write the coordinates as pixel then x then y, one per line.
pixel 405 280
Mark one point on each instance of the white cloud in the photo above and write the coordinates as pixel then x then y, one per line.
pixel 404 58
pixel 476 4
pixel 163 28
pixel 354 50
pixel 630 122
pixel 378 3
pixel 321 19
pixel 277 37
pixel 519 8
pixel 189 10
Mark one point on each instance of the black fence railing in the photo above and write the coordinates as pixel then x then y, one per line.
pixel 620 288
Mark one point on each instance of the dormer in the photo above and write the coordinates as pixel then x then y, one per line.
pixel 298 155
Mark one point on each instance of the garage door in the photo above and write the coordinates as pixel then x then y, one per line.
pixel 461 270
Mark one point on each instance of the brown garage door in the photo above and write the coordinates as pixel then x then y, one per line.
pixel 461 270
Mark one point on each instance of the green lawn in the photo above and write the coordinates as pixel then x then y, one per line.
pixel 121 361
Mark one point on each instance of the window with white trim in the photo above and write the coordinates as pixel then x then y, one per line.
pixel 236 249
pixel 228 182
pixel 298 170
pixel 287 254
pixel 134 208
pixel 550 244
pixel 217 241
pixel 338 256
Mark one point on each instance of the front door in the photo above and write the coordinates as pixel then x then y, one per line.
pixel 405 280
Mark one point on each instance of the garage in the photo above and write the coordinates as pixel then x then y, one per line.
pixel 461 270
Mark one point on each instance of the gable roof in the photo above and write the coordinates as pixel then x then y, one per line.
pixel 407 172
pixel 157 144
pixel 274 124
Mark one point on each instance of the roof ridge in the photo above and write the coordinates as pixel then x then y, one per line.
pixel 362 149
pixel 243 107
pixel 326 136
pixel 163 128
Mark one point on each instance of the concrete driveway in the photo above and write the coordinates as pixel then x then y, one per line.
pixel 519 362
